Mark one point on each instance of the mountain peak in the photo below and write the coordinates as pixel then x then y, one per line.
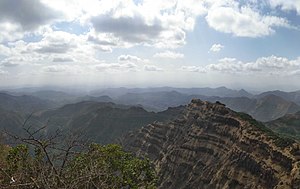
pixel 212 146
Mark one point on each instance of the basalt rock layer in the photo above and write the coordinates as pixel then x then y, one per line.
pixel 211 146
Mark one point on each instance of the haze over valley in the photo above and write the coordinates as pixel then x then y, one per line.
pixel 131 108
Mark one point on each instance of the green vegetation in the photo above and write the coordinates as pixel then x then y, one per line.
pixel 279 140
pixel 102 122
pixel 255 123
pixel 3 153
pixel 99 167
pixel 288 132
pixel 58 160
pixel 288 125
pixel 114 166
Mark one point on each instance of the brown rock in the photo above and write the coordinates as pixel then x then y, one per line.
pixel 215 147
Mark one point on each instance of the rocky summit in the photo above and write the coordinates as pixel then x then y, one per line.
pixel 211 146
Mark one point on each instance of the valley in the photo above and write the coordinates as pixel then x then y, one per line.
pixel 130 109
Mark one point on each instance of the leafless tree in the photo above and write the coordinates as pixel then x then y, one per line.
pixel 52 151
pixel 67 160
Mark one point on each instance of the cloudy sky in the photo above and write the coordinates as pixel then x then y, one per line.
pixel 251 44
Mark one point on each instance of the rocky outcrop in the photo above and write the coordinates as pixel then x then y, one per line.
pixel 211 146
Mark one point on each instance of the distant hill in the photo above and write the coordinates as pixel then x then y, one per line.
pixel 11 121
pixel 23 104
pixel 287 125
pixel 102 122
pixel 64 110
pixel 289 96
pixel 55 96
pixel 99 118
pixel 266 108
pixel 104 98
pixel 155 101
pixel 272 107
pixel 220 91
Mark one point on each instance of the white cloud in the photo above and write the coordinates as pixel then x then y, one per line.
pixel 164 24
pixel 129 58
pixel 152 68
pixel 286 5
pixel 126 23
pixel 243 22
pixel 10 32
pixel 150 23
pixel 133 29
pixel 12 61
pixel 19 18
pixel 216 48
pixel 57 42
pixel 193 69
pixel 77 10
pixel 62 59
pixel 271 65
pixel 4 50
pixel 264 65
pixel 106 41
pixel 159 24
pixel 295 73
pixel 227 60
pixel 8 64
pixel 28 15
pixel 2 72
pixel 169 54
pixel 116 67
pixel 65 69
pixel 55 46
pixel 55 68
pixel 30 36
pixel 226 65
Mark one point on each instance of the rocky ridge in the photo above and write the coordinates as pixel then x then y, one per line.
pixel 211 146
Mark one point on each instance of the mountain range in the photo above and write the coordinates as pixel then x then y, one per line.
pixel 100 122
pixel 219 91
pixel 289 96
pixel 207 143
pixel 23 103
pixel 70 111
pixel 265 108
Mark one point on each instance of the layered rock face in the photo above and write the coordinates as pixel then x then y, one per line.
pixel 211 146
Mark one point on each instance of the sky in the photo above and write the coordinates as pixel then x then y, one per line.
pixel 251 44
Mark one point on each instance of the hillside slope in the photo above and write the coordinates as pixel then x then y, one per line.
pixel 99 121
pixel 211 146
pixel 10 121
pixel 266 108
pixel 23 104
pixel 289 96
pixel 288 125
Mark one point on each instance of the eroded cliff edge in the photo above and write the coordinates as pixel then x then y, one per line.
pixel 211 146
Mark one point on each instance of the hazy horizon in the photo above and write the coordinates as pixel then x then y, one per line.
pixel 252 45
pixel 86 90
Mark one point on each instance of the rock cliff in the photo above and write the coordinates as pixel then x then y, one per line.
pixel 211 146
